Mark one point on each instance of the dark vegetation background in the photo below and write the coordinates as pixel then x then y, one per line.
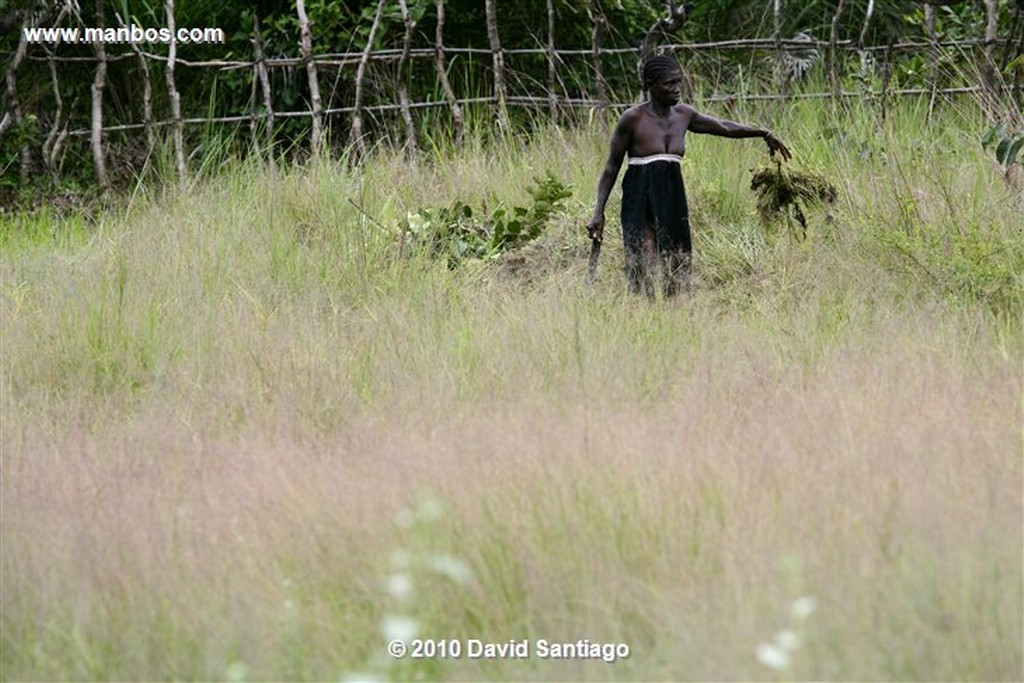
pixel 344 27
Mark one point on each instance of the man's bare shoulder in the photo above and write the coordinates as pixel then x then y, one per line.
pixel 632 114
pixel 685 110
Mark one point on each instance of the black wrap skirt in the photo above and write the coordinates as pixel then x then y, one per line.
pixel 653 197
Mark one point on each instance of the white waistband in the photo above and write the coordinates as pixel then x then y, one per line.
pixel 636 161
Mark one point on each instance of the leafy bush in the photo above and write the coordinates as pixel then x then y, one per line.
pixel 971 262
pixel 457 232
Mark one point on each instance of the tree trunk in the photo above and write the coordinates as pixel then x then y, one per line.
pixel 98 84
pixel 1017 52
pixel 442 73
pixel 833 60
pixel 661 29
pixel 777 37
pixel 990 74
pixel 1016 29
pixel 12 117
pixel 306 47
pixel 412 149
pixel 596 38
pixel 933 53
pixel 55 138
pixel 886 78
pixel 172 93
pixel 264 80
pixel 552 72
pixel 498 59
pixel 867 20
pixel 865 65
pixel 357 115
pixel 147 91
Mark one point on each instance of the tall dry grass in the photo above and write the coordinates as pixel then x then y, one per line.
pixel 217 404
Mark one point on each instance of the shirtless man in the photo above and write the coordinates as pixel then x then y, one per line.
pixel 655 218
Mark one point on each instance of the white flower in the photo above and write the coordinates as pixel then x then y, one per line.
pixel 399 628
pixel 772 656
pixel 787 639
pixel 399 585
pixel 803 607
pixel 452 567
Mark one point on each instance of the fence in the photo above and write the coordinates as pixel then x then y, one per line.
pixel 593 90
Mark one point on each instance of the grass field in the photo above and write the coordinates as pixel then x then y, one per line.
pixel 243 439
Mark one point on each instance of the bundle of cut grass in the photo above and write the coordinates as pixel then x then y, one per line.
pixel 780 191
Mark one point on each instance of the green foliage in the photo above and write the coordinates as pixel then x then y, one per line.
pixel 970 262
pixel 456 232
pixel 1005 144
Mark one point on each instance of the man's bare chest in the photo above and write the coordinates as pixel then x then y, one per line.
pixel 660 135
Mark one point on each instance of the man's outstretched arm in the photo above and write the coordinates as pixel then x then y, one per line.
pixel 702 123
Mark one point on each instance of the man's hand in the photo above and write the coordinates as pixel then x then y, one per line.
pixel 595 228
pixel 775 145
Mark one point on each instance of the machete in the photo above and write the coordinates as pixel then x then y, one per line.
pixel 595 254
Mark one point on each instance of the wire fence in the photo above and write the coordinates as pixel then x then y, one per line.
pixel 596 85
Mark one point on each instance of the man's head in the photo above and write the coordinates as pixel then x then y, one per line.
pixel 662 77
pixel 656 68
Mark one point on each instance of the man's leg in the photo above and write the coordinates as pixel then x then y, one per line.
pixel 678 272
pixel 633 246
pixel 650 260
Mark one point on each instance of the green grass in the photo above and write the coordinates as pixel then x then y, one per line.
pixel 218 401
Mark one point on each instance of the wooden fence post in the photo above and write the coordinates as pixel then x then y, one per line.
pixel 264 79
pixel 596 38
pixel 412 148
pixel 886 79
pixel 98 84
pixel 552 72
pixel 177 134
pixel 989 74
pixel 357 115
pixel 864 32
pixel 779 54
pixel 147 91
pixel 498 59
pixel 933 49
pixel 442 73
pixel 306 47
pixel 833 66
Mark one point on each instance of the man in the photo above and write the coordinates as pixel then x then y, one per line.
pixel 655 218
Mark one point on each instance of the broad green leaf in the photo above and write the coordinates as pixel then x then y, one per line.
pixel 1011 156
pixel 1002 148
pixel 991 135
